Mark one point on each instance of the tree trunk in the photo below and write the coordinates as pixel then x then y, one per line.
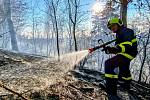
pixel 144 56
pixel 12 35
pixel 12 32
pixel 123 11
pixel 70 37
pixel 142 65
pixel 74 37
pixel 56 29
pixel 73 19
pixel 74 26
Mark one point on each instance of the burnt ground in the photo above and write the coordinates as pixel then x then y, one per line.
pixel 36 77
pixel 41 78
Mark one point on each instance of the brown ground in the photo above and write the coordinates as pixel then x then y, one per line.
pixel 40 78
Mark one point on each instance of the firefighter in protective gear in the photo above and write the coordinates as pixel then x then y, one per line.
pixel 125 50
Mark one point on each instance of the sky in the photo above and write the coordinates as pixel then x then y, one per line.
pixel 38 4
pixel 39 8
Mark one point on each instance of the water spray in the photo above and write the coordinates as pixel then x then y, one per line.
pixel 75 58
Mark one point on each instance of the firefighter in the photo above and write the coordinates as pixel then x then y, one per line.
pixel 125 49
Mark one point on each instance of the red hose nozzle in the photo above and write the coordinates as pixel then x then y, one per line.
pixel 91 50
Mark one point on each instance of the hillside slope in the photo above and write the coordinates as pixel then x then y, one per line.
pixel 41 78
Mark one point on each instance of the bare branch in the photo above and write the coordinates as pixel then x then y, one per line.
pixel 10 90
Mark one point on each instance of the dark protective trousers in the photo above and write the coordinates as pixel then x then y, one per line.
pixel 112 78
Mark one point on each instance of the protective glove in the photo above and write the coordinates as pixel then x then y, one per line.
pixel 105 49
pixel 91 50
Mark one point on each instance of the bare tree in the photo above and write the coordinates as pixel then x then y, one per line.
pixel 53 6
pixel 56 24
pixel 73 6
pixel 2 13
pixel 144 39
pixel 33 27
pixel 145 44
pixel 123 9
pixel 12 32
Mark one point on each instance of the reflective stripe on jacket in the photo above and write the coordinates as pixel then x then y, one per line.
pixel 126 42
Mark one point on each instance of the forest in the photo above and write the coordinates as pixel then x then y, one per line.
pixel 44 48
